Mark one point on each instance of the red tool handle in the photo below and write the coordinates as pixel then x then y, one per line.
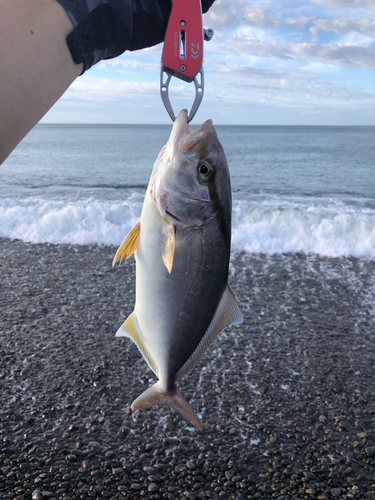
pixel 183 46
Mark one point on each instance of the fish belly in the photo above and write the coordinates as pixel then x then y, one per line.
pixel 175 309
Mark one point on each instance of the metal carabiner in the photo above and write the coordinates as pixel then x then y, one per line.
pixel 183 52
pixel 164 92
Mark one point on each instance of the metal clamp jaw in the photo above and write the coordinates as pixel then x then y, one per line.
pixel 183 52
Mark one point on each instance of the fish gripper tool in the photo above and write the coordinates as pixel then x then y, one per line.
pixel 183 52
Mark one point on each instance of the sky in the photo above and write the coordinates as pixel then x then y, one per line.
pixel 306 62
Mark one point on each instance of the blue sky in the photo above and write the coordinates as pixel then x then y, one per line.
pixel 269 63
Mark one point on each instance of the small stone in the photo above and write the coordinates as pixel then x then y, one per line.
pixel 37 495
pixel 170 440
pixel 153 487
pixel 48 494
pixel 19 497
pixel 362 435
pixel 190 464
pixel 181 468
pixel 117 471
pixel 110 454
pixel 370 451
pixel 95 447
pixel 233 431
pixel 336 492
pixel 154 479
pixel 369 494
pixel 185 439
pixel 310 491
pixel 136 486
pixel 322 419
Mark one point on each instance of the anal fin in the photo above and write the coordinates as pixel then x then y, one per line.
pixel 129 245
pixel 131 330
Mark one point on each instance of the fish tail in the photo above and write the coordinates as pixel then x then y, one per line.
pixel 156 395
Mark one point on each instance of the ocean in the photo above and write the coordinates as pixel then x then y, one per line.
pixel 308 190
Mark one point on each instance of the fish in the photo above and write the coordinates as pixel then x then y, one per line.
pixel 182 250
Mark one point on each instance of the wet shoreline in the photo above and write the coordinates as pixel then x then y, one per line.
pixel 286 399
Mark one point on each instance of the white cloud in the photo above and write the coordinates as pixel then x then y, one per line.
pixel 336 53
pixel 88 88
pixel 133 64
pixel 258 16
pixel 300 21
pixel 350 4
pixel 343 55
pixel 222 15
pixel 267 62
pixel 243 83
pixel 346 25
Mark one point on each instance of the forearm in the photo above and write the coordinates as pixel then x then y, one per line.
pixel 36 66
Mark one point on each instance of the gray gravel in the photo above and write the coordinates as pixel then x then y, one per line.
pixel 286 399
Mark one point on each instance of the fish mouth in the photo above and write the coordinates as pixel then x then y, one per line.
pixel 186 141
pixel 181 127
pixel 195 141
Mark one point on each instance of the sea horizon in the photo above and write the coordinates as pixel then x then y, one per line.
pixel 308 189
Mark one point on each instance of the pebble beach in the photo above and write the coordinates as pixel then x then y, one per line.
pixel 286 399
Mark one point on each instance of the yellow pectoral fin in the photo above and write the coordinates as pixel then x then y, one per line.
pixel 169 236
pixel 129 245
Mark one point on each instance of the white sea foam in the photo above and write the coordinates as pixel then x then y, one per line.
pixel 267 224
pixel 81 222
pixel 327 227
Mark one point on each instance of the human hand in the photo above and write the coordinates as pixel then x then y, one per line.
pixel 104 29
pixel 150 21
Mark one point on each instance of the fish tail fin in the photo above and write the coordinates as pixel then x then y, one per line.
pixel 155 395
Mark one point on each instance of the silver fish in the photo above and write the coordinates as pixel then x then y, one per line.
pixel 182 251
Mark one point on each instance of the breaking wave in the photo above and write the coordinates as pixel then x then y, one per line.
pixel 261 223
pixel 329 227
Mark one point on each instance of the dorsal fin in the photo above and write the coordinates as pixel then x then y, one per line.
pixel 227 314
pixel 131 330
pixel 129 245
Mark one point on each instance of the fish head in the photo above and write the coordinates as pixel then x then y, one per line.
pixel 190 183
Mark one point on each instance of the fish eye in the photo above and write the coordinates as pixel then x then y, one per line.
pixel 205 171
